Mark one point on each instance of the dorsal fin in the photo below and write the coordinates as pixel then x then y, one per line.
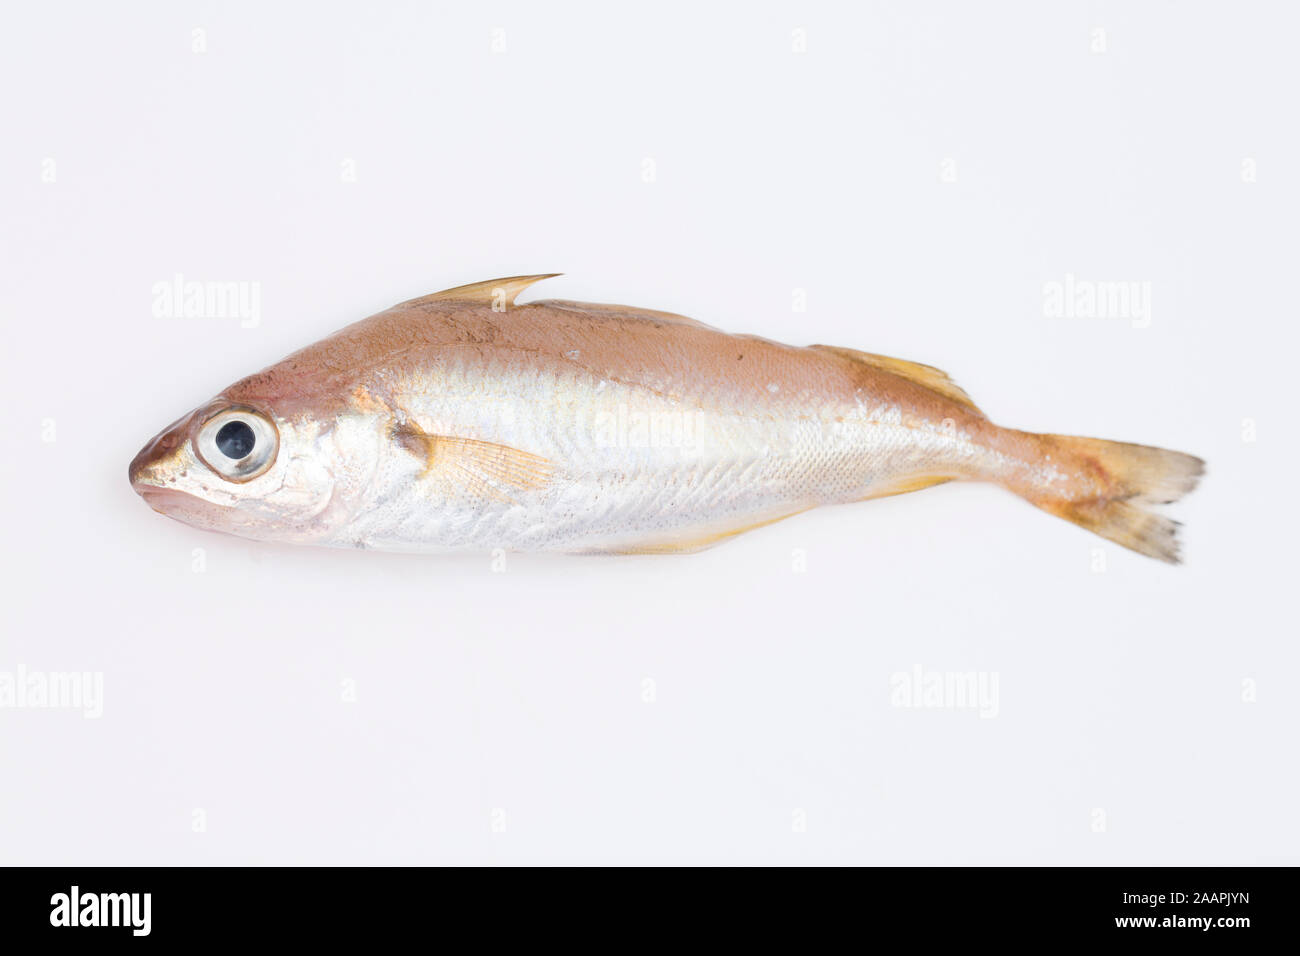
pixel 619 312
pixel 492 292
pixel 927 375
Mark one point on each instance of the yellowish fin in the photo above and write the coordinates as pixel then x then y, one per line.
pixel 1133 477
pixel 927 375
pixel 901 486
pixel 690 540
pixel 494 292
pixel 482 468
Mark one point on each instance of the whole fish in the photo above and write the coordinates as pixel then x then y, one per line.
pixel 464 421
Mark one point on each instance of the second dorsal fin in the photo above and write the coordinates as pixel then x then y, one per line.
pixel 927 375
pixel 498 292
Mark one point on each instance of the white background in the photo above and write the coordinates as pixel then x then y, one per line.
pixel 1146 714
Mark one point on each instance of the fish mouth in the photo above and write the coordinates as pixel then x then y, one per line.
pixel 166 501
pixel 187 508
pixel 154 471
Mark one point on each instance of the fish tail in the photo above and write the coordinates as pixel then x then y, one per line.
pixel 1107 486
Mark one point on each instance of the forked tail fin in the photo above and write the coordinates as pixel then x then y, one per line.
pixel 1116 482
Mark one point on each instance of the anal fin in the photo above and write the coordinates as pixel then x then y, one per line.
pixel 901 486
pixel 696 539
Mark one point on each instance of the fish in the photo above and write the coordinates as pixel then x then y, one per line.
pixel 463 421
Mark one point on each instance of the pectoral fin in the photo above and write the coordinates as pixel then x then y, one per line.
pixel 480 468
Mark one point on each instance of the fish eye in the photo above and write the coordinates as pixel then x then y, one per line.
pixel 235 439
pixel 238 443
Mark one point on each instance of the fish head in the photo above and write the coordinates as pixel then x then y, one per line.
pixel 249 465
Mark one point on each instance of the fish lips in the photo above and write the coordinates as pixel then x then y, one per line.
pixel 170 501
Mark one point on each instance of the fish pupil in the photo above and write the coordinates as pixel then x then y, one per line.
pixel 235 439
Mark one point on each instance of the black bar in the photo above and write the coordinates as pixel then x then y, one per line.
pixel 1235 906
